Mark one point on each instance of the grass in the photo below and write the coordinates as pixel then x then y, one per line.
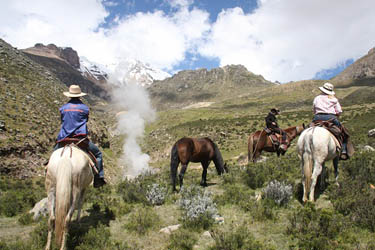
pixel 120 216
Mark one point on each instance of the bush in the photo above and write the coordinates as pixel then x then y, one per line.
pixel 182 239
pixel 99 238
pixel 280 193
pixel 315 229
pixel 156 194
pixel 142 220
pixel 199 209
pixel 241 238
pixel 17 196
pixel 25 219
pixel 134 191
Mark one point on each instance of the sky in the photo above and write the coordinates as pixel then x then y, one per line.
pixel 282 40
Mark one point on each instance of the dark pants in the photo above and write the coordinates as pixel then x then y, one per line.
pixel 96 152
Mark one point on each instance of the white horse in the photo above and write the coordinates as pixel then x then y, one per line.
pixel 68 174
pixel 316 145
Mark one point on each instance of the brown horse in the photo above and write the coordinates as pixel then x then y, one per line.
pixel 259 141
pixel 201 150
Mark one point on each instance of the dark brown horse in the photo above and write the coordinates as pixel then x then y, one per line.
pixel 259 141
pixel 202 150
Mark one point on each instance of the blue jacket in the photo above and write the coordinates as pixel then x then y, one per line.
pixel 74 117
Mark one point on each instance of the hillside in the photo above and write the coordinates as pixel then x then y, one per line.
pixel 134 214
pixel 30 96
pixel 65 64
pixel 360 73
pixel 202 85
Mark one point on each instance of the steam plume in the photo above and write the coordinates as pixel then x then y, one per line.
pixel 134 100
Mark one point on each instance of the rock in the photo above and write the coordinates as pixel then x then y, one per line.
pixel 170 229
pixel 371 133
pixel 368 148
pixel 40 209
pixel 207 234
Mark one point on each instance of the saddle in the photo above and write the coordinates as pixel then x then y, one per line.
pixel 275 138
pixel 340 134
pixel 83 144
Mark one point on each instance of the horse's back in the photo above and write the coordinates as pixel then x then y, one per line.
pixel 70 156
pixel 318 141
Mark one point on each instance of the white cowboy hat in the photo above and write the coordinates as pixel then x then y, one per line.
pixel 327 89
pixel 74 91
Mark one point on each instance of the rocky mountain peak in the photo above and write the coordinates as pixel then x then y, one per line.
pixel 51 50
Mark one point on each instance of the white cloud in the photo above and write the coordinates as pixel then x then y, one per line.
pixel 282 40
pixel 292 39
pixel 153 37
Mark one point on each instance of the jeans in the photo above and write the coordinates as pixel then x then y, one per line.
pixel 326 117
pixel 97 153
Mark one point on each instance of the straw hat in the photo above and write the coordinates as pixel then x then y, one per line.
pixel 74 91
pixel 327 89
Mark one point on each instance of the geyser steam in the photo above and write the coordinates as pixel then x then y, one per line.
pixel 137 111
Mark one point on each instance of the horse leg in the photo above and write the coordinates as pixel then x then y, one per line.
pixel 336 168
pixel 51 219
pixel 204 174
pixel 317 171
pixel 67 221
pixel 181 174
pixel 79 204
pixel 323 177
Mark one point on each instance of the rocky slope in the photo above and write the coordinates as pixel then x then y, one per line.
pixel 190 86
pixel 65 64
pixel 361 72
pixel 30 95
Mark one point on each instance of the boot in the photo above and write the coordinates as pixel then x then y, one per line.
pixel 99 181
pixel 344 155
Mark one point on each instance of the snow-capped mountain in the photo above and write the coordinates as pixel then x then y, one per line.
pixel 135 71
pixel 126 71
pixel 92 70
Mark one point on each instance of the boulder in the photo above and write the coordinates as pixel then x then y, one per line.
pixel 371 133
pixel 368 148
pixel 170 229
pixel 40 209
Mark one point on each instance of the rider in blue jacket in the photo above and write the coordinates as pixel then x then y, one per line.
pixel 74 117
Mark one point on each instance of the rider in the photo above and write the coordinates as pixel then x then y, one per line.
pixel 327 107
pixel 74 117
pixel 271 123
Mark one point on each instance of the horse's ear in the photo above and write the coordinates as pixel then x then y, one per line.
pixel 303 124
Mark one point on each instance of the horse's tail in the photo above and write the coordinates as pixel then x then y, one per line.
pixel 218 160
pixel 307 168
pixel 174 164
pixel 63 196
pixel 250 148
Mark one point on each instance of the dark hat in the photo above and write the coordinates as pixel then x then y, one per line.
pixel 275 111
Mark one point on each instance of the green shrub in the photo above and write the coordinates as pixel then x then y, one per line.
pixel 98 238
pixel 25 219
pixel 182 239
pixel 315 229
pixel 18 196
pixel 142 219
pixel 134 191
pixel 240 238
